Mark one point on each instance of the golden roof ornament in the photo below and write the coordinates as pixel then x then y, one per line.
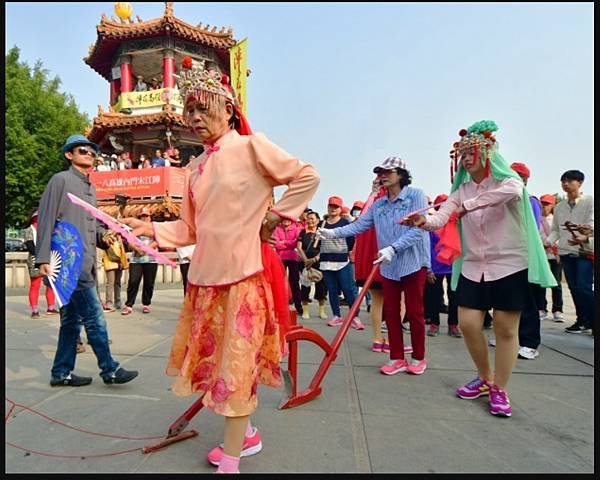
pixel 123 10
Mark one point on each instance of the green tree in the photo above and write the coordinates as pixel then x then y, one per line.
pixel 38 120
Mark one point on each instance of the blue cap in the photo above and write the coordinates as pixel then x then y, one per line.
pixel 75 140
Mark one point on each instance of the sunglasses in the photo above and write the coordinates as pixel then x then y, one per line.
pixel 85 151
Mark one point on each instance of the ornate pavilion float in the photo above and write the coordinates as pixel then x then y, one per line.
pixel 141 122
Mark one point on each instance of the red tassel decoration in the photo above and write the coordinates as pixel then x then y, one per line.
pixel 476 156
pixel 486 168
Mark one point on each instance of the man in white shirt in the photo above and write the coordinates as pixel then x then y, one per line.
pixel 574 248
pixel 101 166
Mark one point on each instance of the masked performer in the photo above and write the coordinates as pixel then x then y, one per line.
pixel 501 251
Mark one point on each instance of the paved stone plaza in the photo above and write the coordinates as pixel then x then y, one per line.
pixel 363 421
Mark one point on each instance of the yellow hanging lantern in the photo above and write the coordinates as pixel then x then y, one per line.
pixel 123 10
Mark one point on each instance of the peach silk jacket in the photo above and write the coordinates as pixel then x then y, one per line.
pixel 226 196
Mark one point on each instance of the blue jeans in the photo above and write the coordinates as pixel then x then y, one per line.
pixel 340 279
pixel 83 308
pixel 579 273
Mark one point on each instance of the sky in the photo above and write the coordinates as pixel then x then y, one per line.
pixel 344 86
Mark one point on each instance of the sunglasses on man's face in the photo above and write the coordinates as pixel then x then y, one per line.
pixel 85 151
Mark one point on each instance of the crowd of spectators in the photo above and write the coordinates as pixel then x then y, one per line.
pixel 170 157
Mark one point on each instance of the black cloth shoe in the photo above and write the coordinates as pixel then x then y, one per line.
pixel 577 328
pixel 121 376
pixel 71 381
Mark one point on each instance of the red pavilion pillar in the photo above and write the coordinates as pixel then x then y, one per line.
pixel 168 69
pixel 126 75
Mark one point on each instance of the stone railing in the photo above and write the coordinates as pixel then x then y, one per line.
pixel 17 276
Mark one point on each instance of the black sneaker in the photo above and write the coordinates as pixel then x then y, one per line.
pixel 577 328
pixel 35 314
pixel 71 381
pixel 121 376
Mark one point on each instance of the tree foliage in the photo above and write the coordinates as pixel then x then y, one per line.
pixel 38 119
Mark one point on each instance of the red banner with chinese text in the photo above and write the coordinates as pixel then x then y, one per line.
pixel 144 182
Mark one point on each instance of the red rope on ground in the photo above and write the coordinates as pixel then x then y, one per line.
pixel 9 412
pixel 81 456
pixel 122 437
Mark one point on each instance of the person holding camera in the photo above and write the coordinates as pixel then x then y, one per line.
pixel 574 248
pixel 308 249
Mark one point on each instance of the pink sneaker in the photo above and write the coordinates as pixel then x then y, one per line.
pixel 474 389
pixel 417 367
pixel 126 310
pixel 252 445
pixel 377 347
pixel 335 321
pixel 499 403
pixel 394 366
pixel 408 349
pixel 146 309
pixel 357 324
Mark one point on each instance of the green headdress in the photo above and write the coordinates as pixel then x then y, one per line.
pixel 479 139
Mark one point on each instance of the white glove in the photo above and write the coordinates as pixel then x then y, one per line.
pixel 385 255
pixel 325 233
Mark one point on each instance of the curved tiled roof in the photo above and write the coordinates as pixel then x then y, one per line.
pixel 111 34
pixel 108 121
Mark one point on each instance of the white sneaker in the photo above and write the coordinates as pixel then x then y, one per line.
pixel 528 353
pixel 543 315
pixel 491 341
pixel 558 317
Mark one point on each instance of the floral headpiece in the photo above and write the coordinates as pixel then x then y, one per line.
pixel 196 82
pixel 479 139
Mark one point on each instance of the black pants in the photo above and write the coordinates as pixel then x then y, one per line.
pixel 294 268
pixel 557 298
pixel 529 324
pixel 136 272
pixel 434 299
pixel 184 268
pixel 320 291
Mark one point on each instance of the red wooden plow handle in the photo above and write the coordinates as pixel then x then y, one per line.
pixel 298 333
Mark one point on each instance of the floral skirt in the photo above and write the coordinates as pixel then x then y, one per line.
pixel 226 342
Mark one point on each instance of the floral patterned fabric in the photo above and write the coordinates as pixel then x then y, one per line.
pixel 226 342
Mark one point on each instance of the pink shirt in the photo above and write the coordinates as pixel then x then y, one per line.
pixel 286 241
pixel 493 229
pixel 228 191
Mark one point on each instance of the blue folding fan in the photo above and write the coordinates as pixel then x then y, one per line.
pixel 66 261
